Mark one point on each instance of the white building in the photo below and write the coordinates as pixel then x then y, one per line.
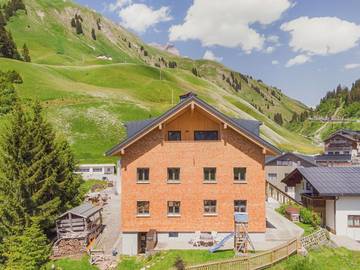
pixel 332 192
pixel 97 171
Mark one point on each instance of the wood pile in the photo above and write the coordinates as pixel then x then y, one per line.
pixel 65 247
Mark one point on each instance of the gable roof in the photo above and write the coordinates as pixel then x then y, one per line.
pixel 309 159
pixel 330 181
pixel 353 135
pixel 246 127
pixel 84 210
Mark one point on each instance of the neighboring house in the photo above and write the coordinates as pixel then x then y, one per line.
pixel 277 168
pixel 334 193
pixel 341 149
pixel 187 172
pixel 97 171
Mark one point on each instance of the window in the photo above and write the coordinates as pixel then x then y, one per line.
pixel 337 153
pixel 210 174
pixel 83 170
pixel 239 206
pixel 143 208
pixel 209 207
pixel 308 186
pixel 209 135
pixel 173 174
pixel 174 135
pixel 272 176
pixel 173 234
pixel 97 169
pixel 354 221
pixel 347 152
pixel 143 174
pixel 239 174
pixel 173 208
pixel 284 162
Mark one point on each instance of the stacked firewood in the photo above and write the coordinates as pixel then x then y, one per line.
pixel 67 247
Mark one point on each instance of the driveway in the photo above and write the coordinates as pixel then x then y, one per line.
pixel 110 238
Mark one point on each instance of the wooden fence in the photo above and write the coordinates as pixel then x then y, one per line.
pixel 258 261
pixel 279 195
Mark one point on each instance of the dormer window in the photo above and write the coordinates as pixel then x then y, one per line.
pixel 206 135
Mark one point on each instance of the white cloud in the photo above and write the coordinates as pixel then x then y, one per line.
pixel 298 60
pixel 117 5
pixel 269 49
pixel 275 62
pixel 352 66
pixel 209 55
pixel 228 23
pixel 273 39
pixel 139 17
pixel 321 35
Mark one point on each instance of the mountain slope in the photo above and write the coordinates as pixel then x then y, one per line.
pixel 89 99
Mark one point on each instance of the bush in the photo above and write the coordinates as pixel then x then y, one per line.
pixel 179 264
pixel 308 216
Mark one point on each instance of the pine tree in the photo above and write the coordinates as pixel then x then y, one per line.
pixel 7 95
pixel 93 35
pixel 2 19
pixel 78 26
pixel 27 251
pixel 26 53
pixel 7 45
pixel 73 23
pixel 41 168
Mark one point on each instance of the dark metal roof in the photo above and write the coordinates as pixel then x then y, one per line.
pixel 244 126
pixel 133 127
pixel 251 125
pixel 333 181
pixel 353 135
pixel 310 159
pixel 333 158
pixel 84 210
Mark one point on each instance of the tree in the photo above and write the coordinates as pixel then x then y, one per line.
pixel 7 45
pixel 27 251
pixel 278 119
pixel 78 26
pixel 73 23
pixel 93 34
pixel 2 19
pixel 39 168
pixel 7 96
pixel 26 53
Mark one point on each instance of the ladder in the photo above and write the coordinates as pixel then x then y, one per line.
pixel 242 240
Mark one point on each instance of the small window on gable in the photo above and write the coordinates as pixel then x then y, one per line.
pixel 207 135
pixel 174 136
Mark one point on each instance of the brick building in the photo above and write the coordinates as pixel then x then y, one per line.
pixel 188 171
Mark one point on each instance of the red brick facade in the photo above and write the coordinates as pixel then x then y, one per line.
pixel 156 153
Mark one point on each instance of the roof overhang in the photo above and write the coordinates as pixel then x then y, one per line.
pixel 192 102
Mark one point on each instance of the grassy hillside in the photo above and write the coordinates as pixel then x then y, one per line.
pixel 89 99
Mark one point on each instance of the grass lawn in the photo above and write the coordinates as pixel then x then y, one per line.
pixel 72 264
pixel 322 259
pixel 88 184
pixel 308 228
pixel 165 260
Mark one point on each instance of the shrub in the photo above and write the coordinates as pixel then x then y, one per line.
pixel 179 264
pixel 308 216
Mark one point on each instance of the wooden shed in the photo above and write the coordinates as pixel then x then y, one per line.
pixel 76 228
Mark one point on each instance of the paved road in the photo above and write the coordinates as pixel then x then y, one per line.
pixel 110 238
pixel 345 241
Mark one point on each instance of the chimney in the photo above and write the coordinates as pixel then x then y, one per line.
pixel 187 95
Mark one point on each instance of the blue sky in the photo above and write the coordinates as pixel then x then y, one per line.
pixel 303 47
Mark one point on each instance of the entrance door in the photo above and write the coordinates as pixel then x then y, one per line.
pixel 141 242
